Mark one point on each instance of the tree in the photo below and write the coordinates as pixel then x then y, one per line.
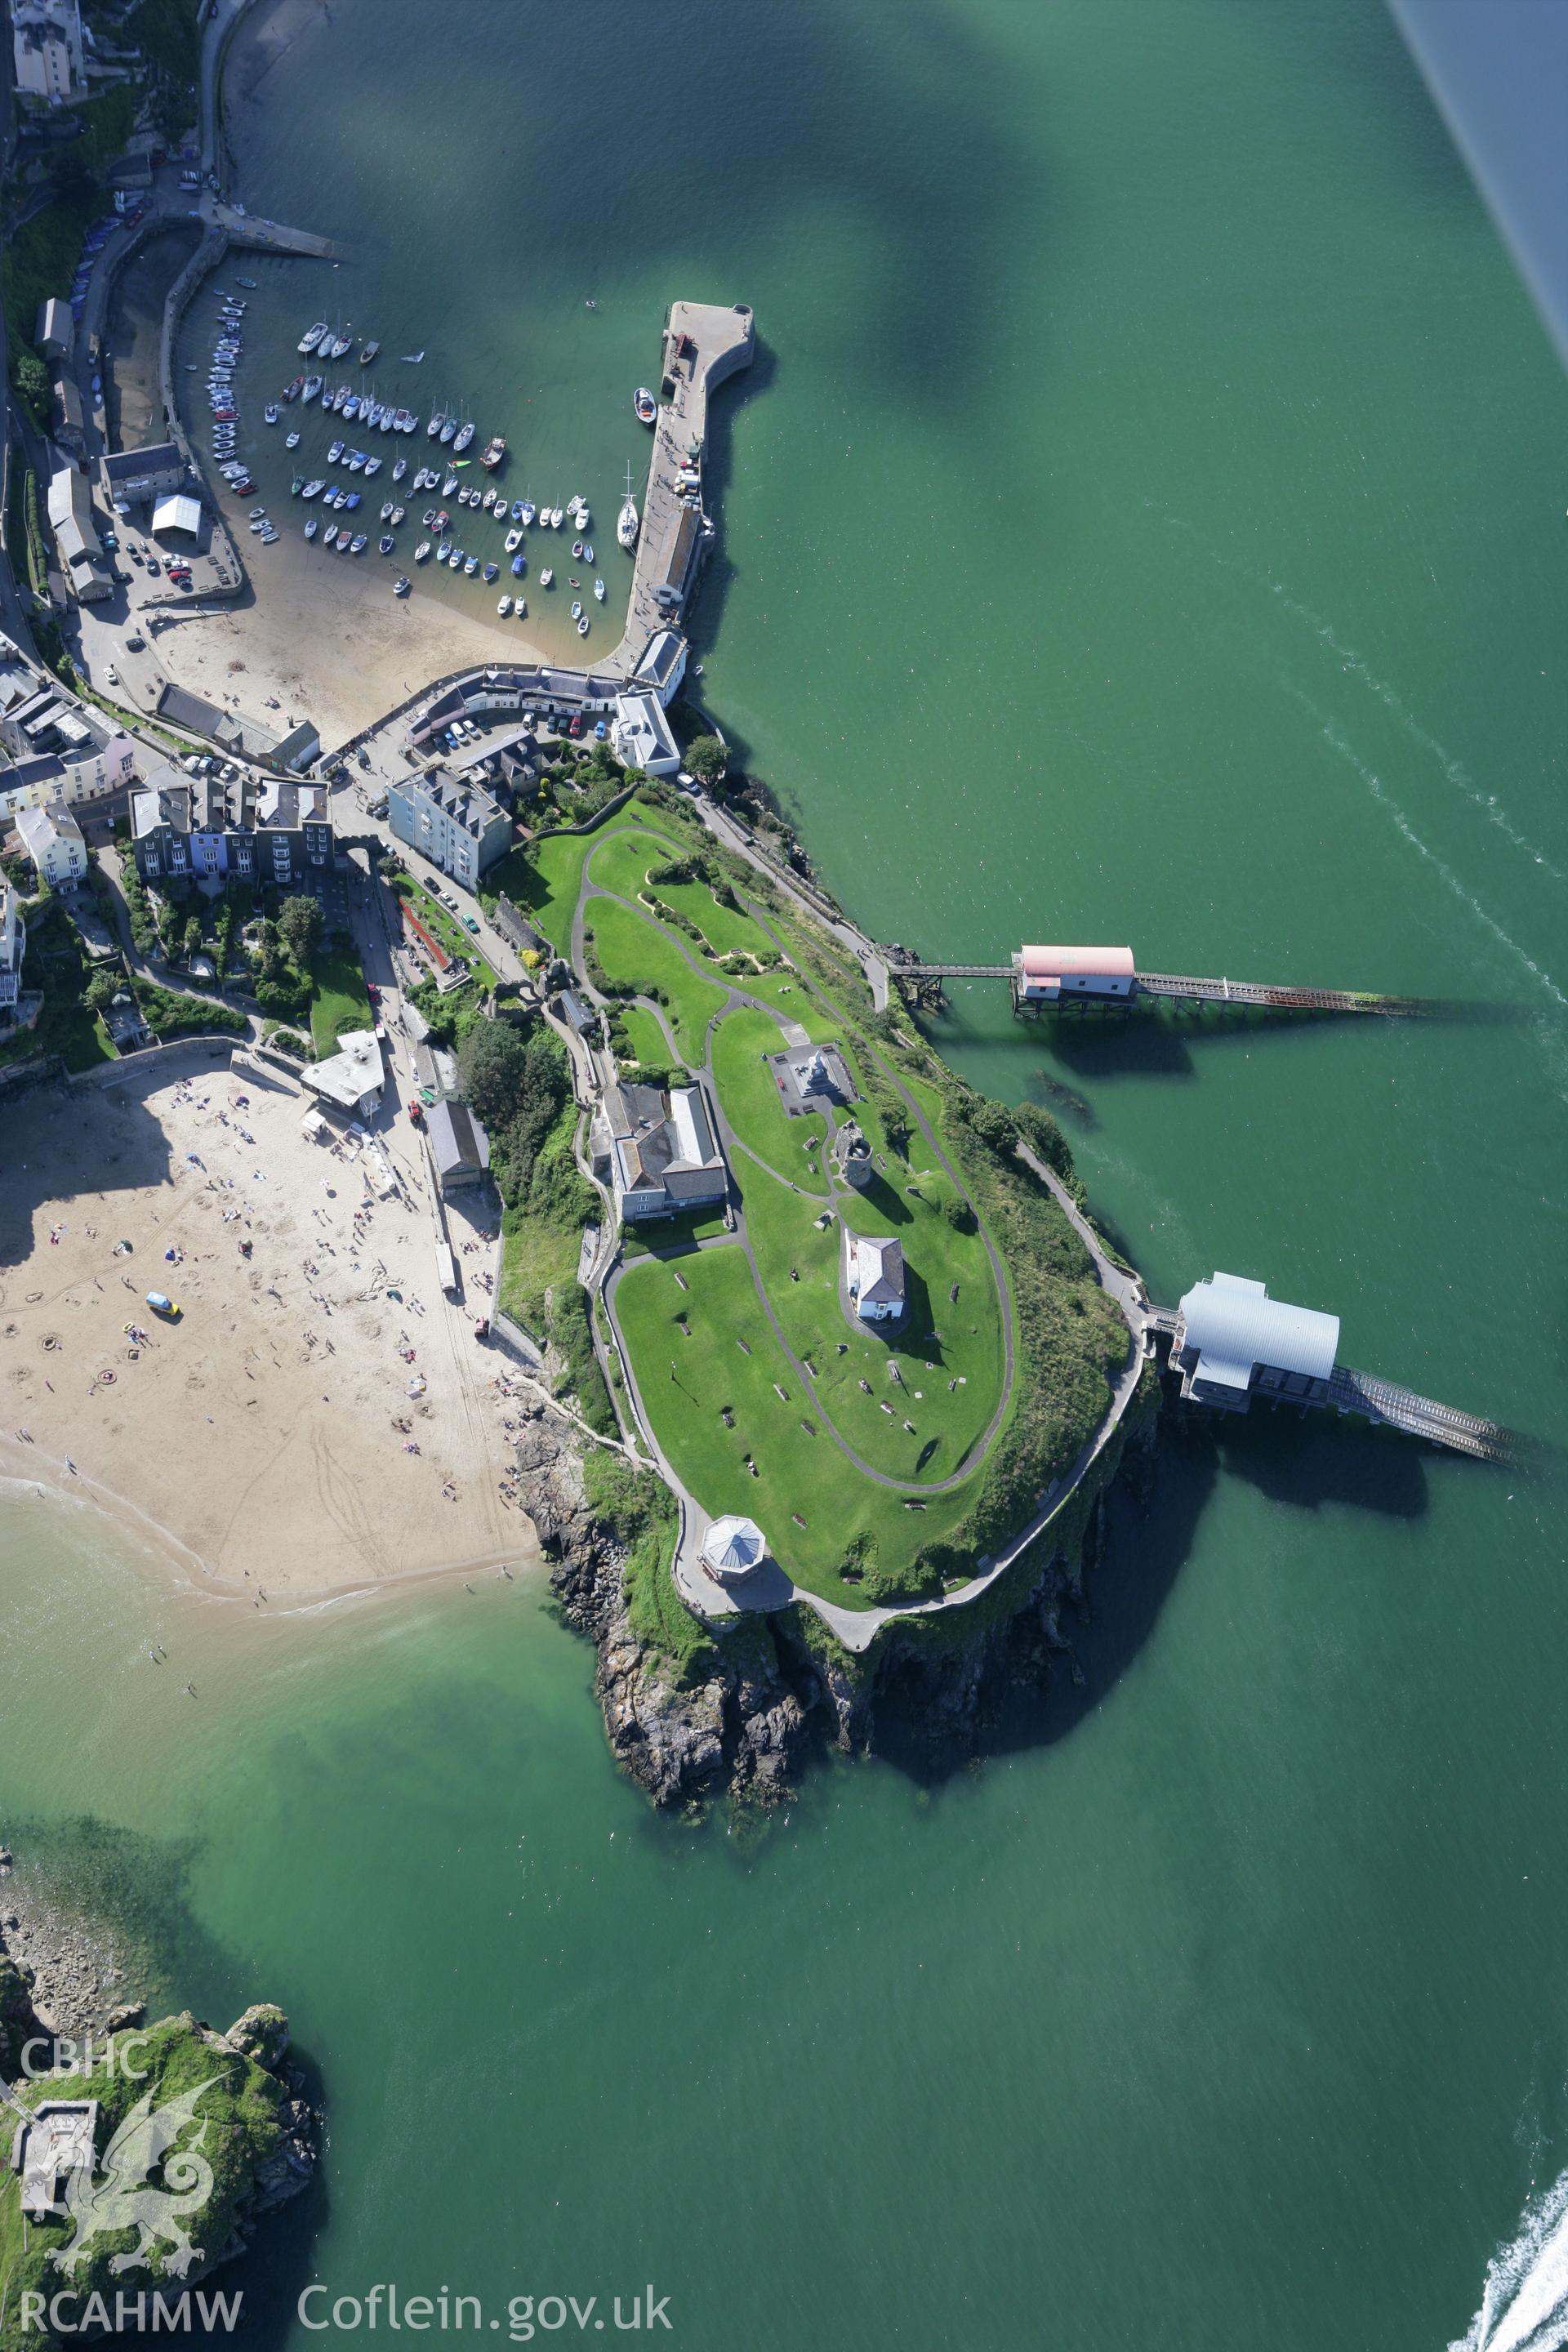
pixel 99 990
pixel 492 1063
pixel 706 757
pixel 192 937
pixel 300 926
pixel 32 379
pixel 959 1215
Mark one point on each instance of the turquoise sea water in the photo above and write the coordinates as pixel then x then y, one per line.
pixel 1144 522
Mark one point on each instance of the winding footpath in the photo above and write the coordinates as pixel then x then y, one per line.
pixel 772 1588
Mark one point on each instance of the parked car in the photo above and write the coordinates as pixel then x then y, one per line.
pixel 112 674
pixel 154 566
pixel 469 925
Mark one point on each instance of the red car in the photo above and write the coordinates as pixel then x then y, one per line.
pixel 576 728
pixel 415 1112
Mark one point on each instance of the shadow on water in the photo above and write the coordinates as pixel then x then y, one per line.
pixel 705 620
pixel 1033 1690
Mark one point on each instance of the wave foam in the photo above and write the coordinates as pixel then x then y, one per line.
pixel 1524 2307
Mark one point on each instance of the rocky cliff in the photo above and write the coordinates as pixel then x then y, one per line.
pixel 771 1690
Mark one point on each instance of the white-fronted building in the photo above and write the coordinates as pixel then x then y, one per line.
pixel 641 735
pixel 52 839
pixel 874 1276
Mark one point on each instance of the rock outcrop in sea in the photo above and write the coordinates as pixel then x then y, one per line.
pixel 196 2136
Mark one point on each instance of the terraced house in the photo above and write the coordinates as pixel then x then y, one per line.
pixel 252 828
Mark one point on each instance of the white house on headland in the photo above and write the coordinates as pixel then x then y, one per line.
pixel 1233 1342
pixel 874 1276
pixel 52 839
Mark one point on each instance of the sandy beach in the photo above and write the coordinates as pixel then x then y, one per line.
pixel 265 1438
pixel 325 637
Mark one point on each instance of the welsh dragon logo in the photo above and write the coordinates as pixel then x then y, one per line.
pixel 123 2197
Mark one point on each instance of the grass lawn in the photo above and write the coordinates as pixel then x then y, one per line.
pixel 546 879
pixel 649 1041
pixel 938 1344
pixel 795 1472
pixel 634 954
pixel 338 1000
pixel 783 991
pixel 729 930
pixel 671 1232
pixel 622 857
pixel 749 1095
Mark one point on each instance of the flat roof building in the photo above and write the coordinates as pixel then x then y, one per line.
pixel 352 1078
pixel 1233 1341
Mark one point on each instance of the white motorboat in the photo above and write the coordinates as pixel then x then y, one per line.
pixel 313 526
pixel 599 590
pixel 421 553
pixel 513 542
pixel 504 607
